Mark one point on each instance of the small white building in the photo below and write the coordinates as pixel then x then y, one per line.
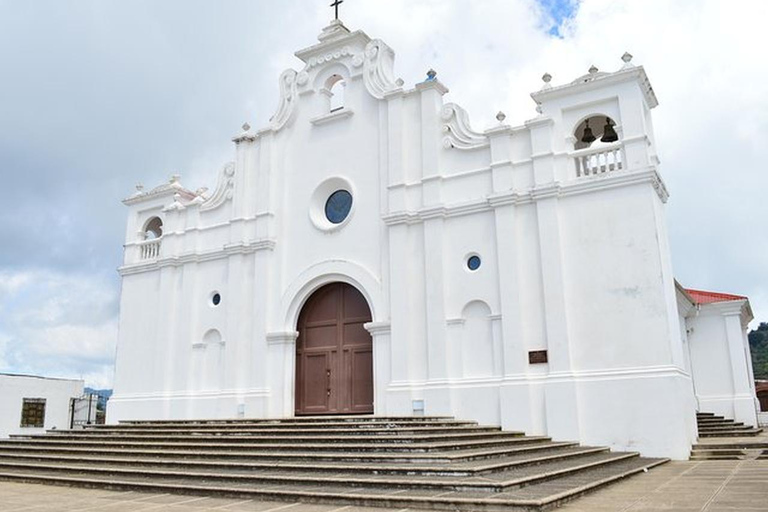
pixel 32 405
pixel 370 252
pixel 717 353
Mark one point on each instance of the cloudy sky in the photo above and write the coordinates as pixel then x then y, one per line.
pixel 98 95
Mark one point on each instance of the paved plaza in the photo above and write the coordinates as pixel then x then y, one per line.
pixel 710 486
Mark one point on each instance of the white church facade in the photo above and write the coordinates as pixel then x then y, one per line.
pixel 369 252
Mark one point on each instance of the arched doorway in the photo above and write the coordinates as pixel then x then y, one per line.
pixel 334 353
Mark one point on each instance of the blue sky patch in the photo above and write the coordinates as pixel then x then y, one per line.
pixel 556 13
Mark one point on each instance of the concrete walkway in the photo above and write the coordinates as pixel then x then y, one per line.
pixel 710 486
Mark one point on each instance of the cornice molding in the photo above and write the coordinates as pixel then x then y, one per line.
pixel 547 191
pixel 183 259
pixel 636 73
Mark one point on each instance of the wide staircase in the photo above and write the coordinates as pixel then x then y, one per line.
pixel 711 425
pixel 399 462
pixel 725 439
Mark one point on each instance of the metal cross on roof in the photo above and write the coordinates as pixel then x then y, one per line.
pixel 335 5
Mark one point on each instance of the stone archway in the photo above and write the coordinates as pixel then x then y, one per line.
pixel 334 353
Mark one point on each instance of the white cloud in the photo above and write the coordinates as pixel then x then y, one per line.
pixel 61 325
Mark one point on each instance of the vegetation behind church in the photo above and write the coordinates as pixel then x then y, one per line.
pixel 758 345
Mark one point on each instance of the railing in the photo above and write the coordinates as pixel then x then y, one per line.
pixel 598 160
pixel 149 249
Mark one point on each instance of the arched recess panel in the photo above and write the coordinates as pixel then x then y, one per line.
pixel 334 353
pixel 477 340
pixel 209 362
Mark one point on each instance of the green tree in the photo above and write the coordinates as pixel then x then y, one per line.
pixel 758 345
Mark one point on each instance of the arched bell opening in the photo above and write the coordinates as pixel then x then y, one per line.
pixel 334 90
pixel 595 131
pixel 597 147
pixel 153 229
pixel 334 353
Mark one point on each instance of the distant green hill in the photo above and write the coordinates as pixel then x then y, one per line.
pixel 758 345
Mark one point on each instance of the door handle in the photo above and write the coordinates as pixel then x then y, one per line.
pixel 328 381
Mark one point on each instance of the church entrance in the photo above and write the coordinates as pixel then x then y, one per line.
pixel 334 353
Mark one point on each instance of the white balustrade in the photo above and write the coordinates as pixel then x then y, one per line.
pixel 591 161
pixel 149 249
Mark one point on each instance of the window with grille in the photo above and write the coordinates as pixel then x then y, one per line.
pixel 33 412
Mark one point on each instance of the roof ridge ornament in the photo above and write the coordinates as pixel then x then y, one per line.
pixel 627 58
pixel 546 78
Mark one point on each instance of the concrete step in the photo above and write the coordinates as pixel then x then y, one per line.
pixel 472 468
pixel 746 432
pixel 268 430
pixel 547 494
pixel 192 442
pixel 716 454
pixel 500 482
pixel 727 444
pixel 279 456
pixel 273 439
pixel 715 428
pixel 340 420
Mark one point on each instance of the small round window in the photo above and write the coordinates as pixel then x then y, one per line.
pixel 473 263
pixel 216 299
pixel 338 206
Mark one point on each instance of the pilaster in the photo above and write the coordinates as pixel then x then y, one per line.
pixel 743 381
pixel 381 332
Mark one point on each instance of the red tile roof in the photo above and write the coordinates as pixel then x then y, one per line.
pixel 703 297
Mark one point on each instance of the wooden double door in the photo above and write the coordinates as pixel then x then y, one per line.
pixel 334 353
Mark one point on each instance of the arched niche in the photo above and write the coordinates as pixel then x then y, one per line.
pixel 208 362
pixel 477 340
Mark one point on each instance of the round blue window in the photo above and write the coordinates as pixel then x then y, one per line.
pixel 338 206
pixel 473 263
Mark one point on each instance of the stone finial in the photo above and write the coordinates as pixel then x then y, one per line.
pixel 593 69
pixel 175 178
pixel 139 188
pixel 501 116
pixel 546 78
pixel 431 75
pixel 246 127
pixel 539 109
pixel 399 82
pixel 627 58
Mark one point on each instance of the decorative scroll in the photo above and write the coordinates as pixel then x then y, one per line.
pixel 224 188
pixel 287 99
pixel 458 133
pixel 378 68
